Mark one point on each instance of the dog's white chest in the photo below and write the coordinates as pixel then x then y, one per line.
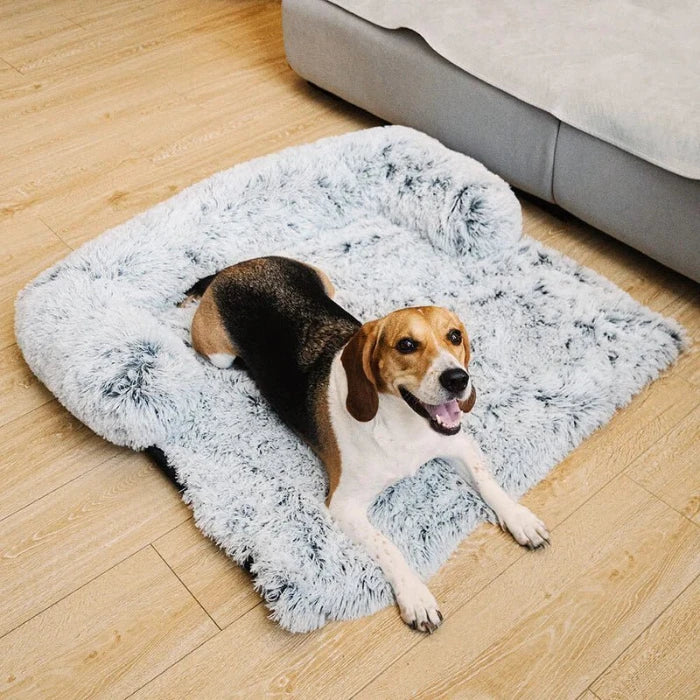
pixel 384 450
pixel 404 445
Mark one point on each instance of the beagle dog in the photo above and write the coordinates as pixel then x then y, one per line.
pixel 375 401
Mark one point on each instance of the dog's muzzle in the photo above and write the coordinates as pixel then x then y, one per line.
pixel 445 418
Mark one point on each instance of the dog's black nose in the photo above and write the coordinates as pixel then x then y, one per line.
pixel 454 380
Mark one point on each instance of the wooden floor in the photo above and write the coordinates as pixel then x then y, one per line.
pixel 107 589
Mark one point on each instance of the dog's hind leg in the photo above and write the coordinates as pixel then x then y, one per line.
pixel 325 280
pixel 209 335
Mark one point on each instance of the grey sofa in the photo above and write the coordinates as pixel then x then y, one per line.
pixel 396 75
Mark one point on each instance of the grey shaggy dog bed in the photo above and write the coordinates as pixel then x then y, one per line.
pixel 396 220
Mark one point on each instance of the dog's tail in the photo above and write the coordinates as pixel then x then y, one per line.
pixel 198 288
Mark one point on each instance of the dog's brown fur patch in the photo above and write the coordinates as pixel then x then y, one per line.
pixel 325 280
pixel 327 446
pixel 209 334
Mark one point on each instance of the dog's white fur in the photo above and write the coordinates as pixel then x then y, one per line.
pixel 222 360
pixel 391 446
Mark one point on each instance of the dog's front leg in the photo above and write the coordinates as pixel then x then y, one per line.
pixel 527 529
pixel 418 607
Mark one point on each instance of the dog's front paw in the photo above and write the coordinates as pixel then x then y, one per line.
pixel 527 529
pixel 419 609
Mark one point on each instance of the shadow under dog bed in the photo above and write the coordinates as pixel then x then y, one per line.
pixel 396 220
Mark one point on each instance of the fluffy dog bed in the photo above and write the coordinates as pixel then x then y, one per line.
pixel 395 219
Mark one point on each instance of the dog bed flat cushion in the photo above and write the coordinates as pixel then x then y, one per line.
pixel 396 220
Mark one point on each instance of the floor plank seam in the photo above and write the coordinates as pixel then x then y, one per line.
pixel 614 661
pixel 49 398
pixel 55 233
pixel 177 661
pixel 659 498
pixel 14 68
pixel 72 21
pixel 186 587
pixel 82 585
pixel 221 629
pixel 423 637
pixel 174 527
pixel 260 602
pixel 96 576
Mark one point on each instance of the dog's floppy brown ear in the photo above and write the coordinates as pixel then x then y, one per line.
pixel 469 402
pixel 363 401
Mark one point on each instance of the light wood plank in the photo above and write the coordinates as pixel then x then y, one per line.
pixel 112 34
pixel 77 9
pixel 106 639
pixel 662 661
pixel 71 43
pixel 223 589
pixel 52 49
pixel 212 148
pixel 28 247
pixel 14 11
pixel 128 94
pixel 670 469
pixel 43 450
pixel 9 77
pixel 21 391
pixel 79 531
pixel 544 630
pixel 686 310
pixel 29 25
pixel 612 448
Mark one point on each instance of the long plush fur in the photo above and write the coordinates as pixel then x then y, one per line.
pixel 395 219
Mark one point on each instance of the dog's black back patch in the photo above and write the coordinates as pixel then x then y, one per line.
pixel 286 330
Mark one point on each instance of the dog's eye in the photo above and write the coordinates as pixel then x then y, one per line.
pixel 454 336
pixel 406 346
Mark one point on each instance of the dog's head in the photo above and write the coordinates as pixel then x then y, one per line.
pixel 420 354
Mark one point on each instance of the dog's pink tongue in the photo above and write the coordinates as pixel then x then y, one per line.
pixel 447 414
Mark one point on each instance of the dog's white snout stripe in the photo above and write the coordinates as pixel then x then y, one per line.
pixel 431 390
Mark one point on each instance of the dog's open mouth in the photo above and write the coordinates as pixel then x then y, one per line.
pixel 444 418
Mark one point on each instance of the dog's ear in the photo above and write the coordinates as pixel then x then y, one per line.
pixel 469 402
pixel 363 401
